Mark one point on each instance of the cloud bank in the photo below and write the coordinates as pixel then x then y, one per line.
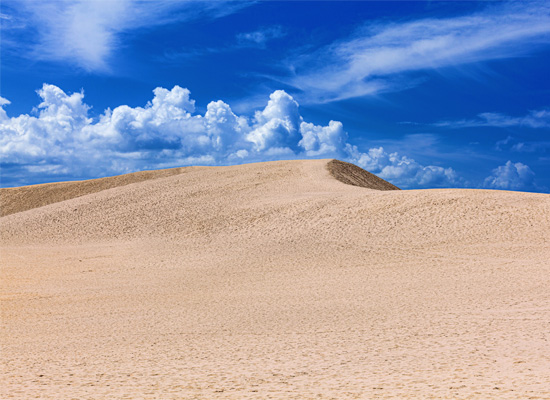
pixel 60 141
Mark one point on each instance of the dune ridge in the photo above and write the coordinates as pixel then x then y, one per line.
pixel 284 280
pixel 18 199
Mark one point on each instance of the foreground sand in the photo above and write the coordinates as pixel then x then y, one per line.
pixel 273 280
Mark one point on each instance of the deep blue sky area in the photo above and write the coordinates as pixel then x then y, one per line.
pixel 425 94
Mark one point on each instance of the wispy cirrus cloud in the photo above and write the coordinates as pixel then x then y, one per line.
pixel 534 119
pixel 260 37
pixel 86 33
pixel 520 145
pixel 257 39
pixel 379 56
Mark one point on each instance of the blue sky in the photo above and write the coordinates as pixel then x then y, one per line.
pixel 424 94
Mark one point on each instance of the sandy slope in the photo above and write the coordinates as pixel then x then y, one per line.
pixel 24 198
pixel 275 280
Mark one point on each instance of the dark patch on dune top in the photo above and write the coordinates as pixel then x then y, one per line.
pixel 353 175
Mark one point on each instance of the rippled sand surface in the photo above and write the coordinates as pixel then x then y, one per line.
pixel 273 280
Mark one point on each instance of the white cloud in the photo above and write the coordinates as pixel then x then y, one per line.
pixel 86 32
pixel 3 102
pixel 62 142
pixel 58 127
pixel 318 140
pixel 511 176
pixel 534 119
pixel 277 125
pixel 257 39
pixel 375 57
pixel 226 129
pixel 260 37
pixel 514 144
pixel 402 170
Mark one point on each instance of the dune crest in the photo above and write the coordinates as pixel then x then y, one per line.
pixel 18 199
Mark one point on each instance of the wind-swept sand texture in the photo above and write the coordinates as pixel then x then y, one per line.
pixel 13 200
pixel 276 280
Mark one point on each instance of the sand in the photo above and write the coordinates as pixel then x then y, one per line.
pixel 273 281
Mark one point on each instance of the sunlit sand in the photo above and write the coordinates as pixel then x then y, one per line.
pixel 285 280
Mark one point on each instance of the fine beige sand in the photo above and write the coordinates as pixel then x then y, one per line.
pixel 282 280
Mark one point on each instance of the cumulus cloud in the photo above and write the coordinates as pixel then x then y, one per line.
pixel 402 170
pixel 3 102
pixel 277 125
pixel 60 140
pixel 58 127
pixel 378 56
pixel 511 176
pixel 317 140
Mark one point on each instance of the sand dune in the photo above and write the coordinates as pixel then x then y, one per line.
pixel 291 279
pixel 14 200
